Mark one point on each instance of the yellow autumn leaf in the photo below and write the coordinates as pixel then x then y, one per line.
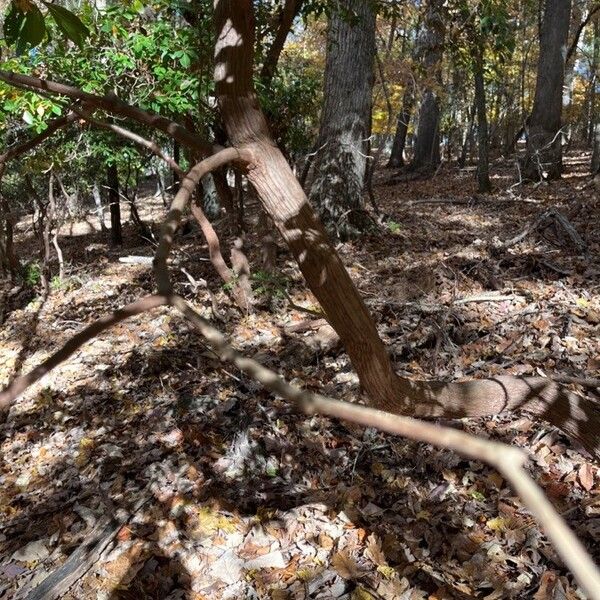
pixel 496 524
pixel 387 571
pixel 361 594
pixel 582 302
pixel 208 521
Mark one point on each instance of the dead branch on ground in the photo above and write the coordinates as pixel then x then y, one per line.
pixel 509 461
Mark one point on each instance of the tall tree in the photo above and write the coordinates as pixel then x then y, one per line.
pixel 431 47
pixel 544 141
pixel 483 167
pixel 397 154
pixel 340 168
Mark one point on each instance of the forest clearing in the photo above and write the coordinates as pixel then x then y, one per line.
pixel 328 327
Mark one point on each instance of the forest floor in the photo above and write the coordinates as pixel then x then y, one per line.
pixel 144 468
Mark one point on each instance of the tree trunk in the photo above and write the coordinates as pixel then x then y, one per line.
pixel 114 202
pixel 99 208
pixel 290 10
pixel 431 43
pixel 596 151
pixel 544 144
pixel 177 159
pixel 9 244
pixel 593 132
pixel 397 155
pixel 467 141
pixel 55 222
pixel 483 167
pixel 341 166
pixel 285 202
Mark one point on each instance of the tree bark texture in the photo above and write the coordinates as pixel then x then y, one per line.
pixel 286 204
pixel 341 165
pixel 543 159
pixel 431 47
pixel 397 155
pixel 596 150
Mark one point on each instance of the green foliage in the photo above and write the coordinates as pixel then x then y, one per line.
pixel 272 285
pixel 394 227
pixel 66 285
pixel 32 274
pixel 25 25
pixel 68 23
pixel 291 101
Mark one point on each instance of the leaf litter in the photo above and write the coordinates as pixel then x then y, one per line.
pixel 217 490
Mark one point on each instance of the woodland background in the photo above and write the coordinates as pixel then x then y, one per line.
pixel 451 150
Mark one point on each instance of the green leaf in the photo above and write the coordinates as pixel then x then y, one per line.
pixel 69 24
pixel 28 117
pixel 185 60
pixel 13 23
pixel 34 28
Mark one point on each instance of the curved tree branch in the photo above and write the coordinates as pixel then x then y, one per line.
pixel 113 104
pixel 181 200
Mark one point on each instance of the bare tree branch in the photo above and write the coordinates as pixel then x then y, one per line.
pixel 593 10
pixel 20 384
pixel 134 137
pixel 289 12
pixel 24 147
pixel 181 200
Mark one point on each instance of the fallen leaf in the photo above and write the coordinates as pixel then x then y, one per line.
pixel 586 477
pixel 345 565
pixel 374 551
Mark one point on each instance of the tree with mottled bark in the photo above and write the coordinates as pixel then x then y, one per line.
pixel 341 164
pixel 543 159
pixel 431 48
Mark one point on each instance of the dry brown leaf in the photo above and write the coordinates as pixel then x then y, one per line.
pixel 374 551
pixel 586 476
pixel 550 588
pixel 345 565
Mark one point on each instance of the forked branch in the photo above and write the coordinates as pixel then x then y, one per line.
pixel 212 239
pixel 179 204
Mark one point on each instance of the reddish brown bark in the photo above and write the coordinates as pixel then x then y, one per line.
pixel 287 205
pixel 284 200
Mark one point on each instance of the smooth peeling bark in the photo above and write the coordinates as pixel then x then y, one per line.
pixel 341 165
pixel 287 205
pixel 544 141
pixel 285 202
